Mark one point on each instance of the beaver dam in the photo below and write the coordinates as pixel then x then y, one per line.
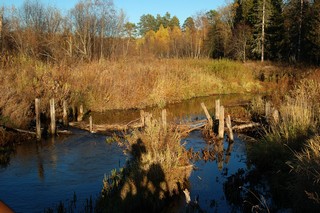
pixel 74 169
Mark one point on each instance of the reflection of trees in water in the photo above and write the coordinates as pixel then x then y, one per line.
pixel 39 161
pixel 213 151
pixel 5 157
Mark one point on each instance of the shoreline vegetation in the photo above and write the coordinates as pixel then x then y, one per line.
pixel 121 84
pixel 91 57
pixel 287 151
pixel 128 83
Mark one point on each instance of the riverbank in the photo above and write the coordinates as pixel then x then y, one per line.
pixel 126 83
pixel 288 151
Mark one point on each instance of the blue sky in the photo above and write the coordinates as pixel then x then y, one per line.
pixel 134 9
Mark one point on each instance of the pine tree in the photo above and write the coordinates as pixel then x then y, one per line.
pixel 275 39
pixel 313 33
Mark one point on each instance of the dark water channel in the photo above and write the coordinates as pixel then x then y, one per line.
pixel 42 174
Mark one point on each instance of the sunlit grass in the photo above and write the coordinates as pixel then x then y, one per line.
pixel 288 151
pixel 157 170
pixel 117 84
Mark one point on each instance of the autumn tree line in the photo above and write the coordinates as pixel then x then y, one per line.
pixel 278 30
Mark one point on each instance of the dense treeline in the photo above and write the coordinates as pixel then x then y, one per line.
pixel 245 29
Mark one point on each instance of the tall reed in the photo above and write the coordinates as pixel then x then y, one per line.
pixel 288 151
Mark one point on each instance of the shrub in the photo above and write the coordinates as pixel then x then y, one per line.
pixel 157 171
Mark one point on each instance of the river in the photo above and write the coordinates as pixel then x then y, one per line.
pixel 68 168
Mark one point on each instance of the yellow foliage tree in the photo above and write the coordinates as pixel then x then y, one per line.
pixel 175 41
pixel 162 38
pixel 150 41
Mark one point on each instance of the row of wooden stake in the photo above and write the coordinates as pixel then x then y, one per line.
pixel 220 117
pixel 53 127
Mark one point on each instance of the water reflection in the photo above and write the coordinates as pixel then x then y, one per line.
pixel 212 152
pixel 5 157
pixel 52 170
pixel 178 112
pixel 207 181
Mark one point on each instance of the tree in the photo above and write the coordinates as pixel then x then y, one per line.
pixel 1 21
pixel 313 34
pixel 162 39
pixel 259 18
pixel 219 33
pixel 149 41
pixel 275 32
pixel 295 12
pixel 174 22
pixel 176 40
pixel 130 30
pixel 147 23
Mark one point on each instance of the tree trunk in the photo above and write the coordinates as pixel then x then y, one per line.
pixel 1 18
pixel 300 26
pixel 262 33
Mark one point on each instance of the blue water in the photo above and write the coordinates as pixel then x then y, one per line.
pixel 207 179
pixel 40 175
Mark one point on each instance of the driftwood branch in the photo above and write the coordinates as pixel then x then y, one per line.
pixel 244 126
pixel 17 130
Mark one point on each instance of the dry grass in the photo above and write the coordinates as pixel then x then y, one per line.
pixel 308 161
pixel 293 145
pixel 158 170
pixel 121 84
pixel 153 148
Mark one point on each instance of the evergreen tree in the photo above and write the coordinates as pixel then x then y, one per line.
pixel 295 14
pixel 313 33
pixel 147 22
pixel 275 32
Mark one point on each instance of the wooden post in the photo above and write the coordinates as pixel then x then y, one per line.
pixel 218 148
pixel 221 122
pixel 275 116
pixel 228 152
pixel 164 119
pixel 80 114
pixel 207 115
pixel 267 110
pixel 147 119
pixel 1 21
pixel 53 117
pixel 142 117
pixel 228 122
pixel 90 124
pixel 38 122
pixel 74 113
pixel 217 114
pixel 65 113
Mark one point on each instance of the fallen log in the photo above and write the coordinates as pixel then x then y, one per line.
pixel 244 126
pixel 17 130
pixel 106 127
pixel 31 132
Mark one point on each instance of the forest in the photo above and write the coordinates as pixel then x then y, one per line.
pixel 275 30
